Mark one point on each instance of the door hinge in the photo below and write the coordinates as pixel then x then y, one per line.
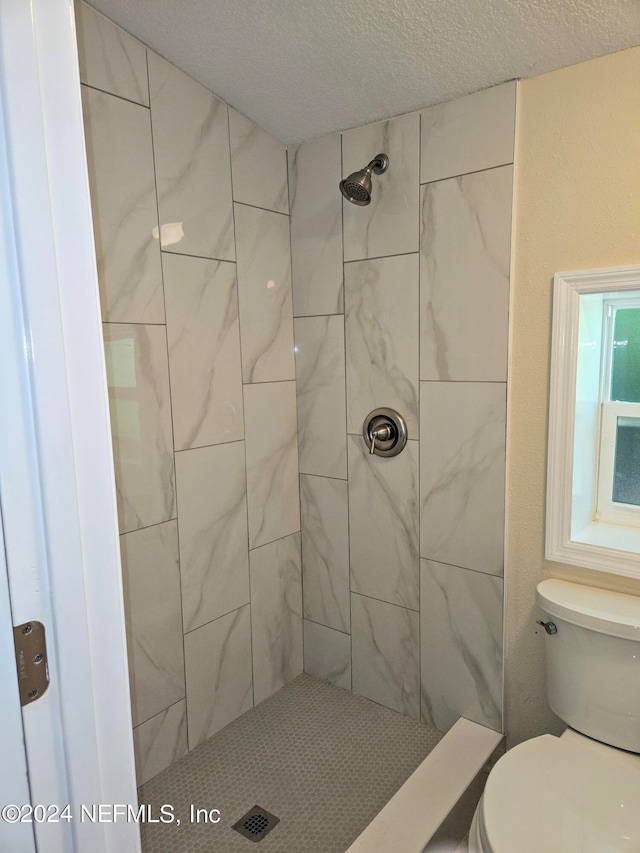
pixel 31 661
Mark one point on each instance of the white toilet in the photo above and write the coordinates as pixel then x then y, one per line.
pixel 581 791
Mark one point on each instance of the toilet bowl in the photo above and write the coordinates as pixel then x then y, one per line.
pixel 560 795
pixel 580 792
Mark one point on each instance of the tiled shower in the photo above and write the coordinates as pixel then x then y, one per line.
pixel 404 303
pixel 258 536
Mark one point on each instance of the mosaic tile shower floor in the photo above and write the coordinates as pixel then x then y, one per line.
pixel 320 758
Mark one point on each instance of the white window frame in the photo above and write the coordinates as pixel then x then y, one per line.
pixel 607 510
pixel 573 533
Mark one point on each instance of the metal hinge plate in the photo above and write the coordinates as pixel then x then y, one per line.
pixel 31 661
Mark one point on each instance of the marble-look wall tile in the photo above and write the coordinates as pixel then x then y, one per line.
pixel 325 551
pixel 204 350
pixel 272 461
pixel 316 226
pixel 462 453
pixel 276 615
pixel 212 518
pixel 469 134
pixel 383 517
pixel 123 201
pixel 193 164
pixel 464 276
pixel 140 408
pixel 218 667
pixel 327 654
pixel 461 646
pixel 320 385
pixel 389 224
pixel 385 654
pixel 264 289
pixel 381 328
pixel 160 741
pixel 259 165
pixel 110 59
pixel 151 582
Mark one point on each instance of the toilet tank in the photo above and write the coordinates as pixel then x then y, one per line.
pixel 593 661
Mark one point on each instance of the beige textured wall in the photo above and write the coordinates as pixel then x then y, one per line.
pixel 577 206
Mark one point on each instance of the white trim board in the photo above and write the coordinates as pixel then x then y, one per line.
pixel 56 469
pixel 415 813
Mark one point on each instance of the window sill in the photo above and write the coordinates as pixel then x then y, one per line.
pixel 611 548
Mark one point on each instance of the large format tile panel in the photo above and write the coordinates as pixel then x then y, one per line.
pixel 469 134
pixel 204 350
pixel 259 165
pixel 151 582
pixel 264 289
pixel 462 463
pixel 327 654
pixel 160 741
pixel 272 461
pixel 381 329
pixel 316 226
pixel 389 224
pixel 461 644
pixel 276 615
pixel 320 375
pixel 110 59
pixel 193 165
pixel 383 516
pixel 140 409
pixel 464 276
pixel 325 551
pixel 212 518
pixel 123 201
pixel 218 667
pixel 385 654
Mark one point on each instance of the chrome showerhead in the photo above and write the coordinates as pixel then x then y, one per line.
pixel 357 187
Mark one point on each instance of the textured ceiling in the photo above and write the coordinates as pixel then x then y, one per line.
pixel 303 68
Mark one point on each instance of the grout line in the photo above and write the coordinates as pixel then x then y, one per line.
pixel 268 382
pixel 200 257
pixel 382 601
pixel 203 446
pixel 130 323
pixel 175 478
pixel 119 97
pixel 309 316
pixel 244 416
pixel 328 627
pixel 346 434
pixel 463 568
pixel 163 711
pixel 382 257
pixel 273 541
pixel 216 618
pixel 149 526
pixel 297 441
pixel 265 209
pixel 467 381
pixel 419 417
pixel 323 477
pixel 464 174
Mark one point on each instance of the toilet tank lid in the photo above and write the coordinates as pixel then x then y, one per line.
pixel 601 610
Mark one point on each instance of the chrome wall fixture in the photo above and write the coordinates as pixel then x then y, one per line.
pixel 357 187
pixel 385 432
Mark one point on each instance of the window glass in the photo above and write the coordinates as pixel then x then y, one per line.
pixel 626 466
pixel 625 365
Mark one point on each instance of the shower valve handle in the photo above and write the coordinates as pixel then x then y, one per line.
pixel 381 433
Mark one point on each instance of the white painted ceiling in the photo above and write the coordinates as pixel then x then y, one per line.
pixel 303 68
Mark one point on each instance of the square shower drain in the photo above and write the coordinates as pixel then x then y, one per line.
pixel 256 824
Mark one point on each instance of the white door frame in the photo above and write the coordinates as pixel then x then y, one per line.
pixel 56 469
